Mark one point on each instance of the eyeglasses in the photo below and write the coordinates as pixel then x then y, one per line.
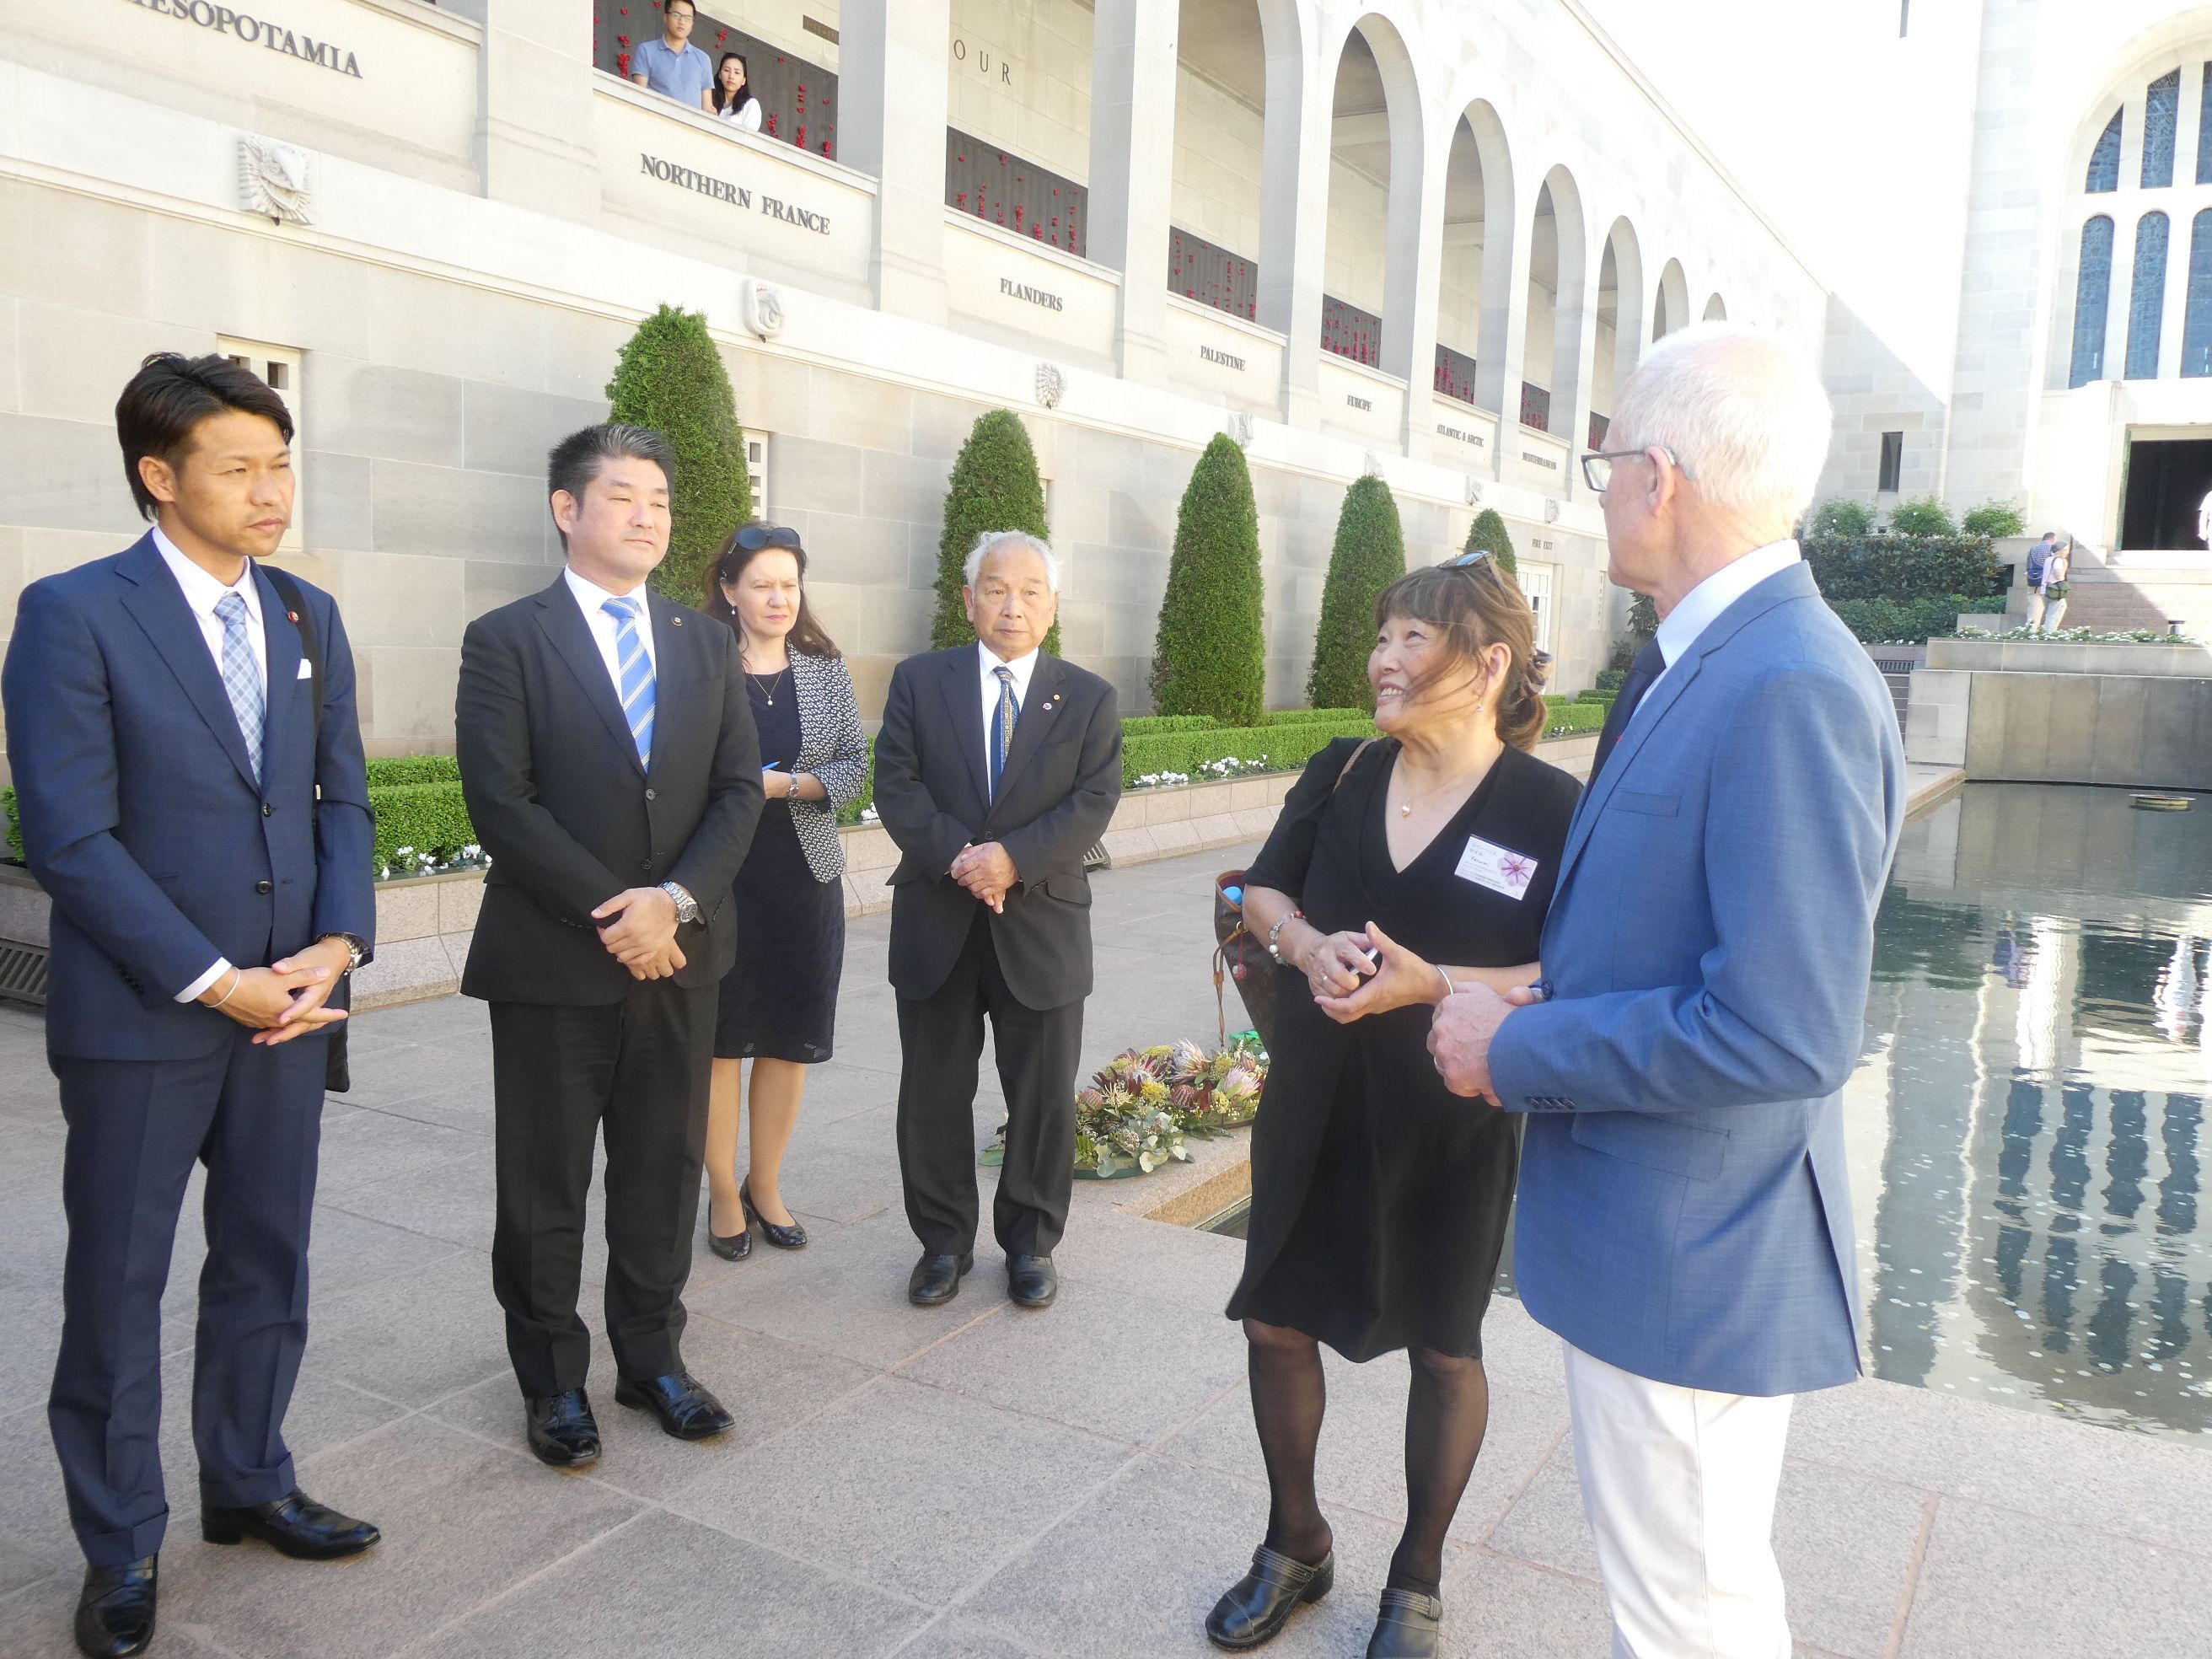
pixel 1597 467
pixel 754 536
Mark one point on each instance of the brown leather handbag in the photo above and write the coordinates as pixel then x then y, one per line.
pixel 1241 955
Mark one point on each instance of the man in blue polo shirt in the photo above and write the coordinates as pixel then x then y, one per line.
pixel 671 66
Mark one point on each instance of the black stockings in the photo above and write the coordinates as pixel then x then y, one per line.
pixel 1447 1410
pixel 1288 1394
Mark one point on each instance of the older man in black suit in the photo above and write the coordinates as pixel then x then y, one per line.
pixel 609 759
pixel 997 768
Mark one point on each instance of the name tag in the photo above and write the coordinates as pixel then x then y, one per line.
pixel 1500 869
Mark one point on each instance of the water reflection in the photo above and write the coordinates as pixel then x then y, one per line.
pixel 2026 1125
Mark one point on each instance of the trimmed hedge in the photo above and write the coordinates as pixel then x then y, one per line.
pixel 1146 726
pixel 1841 516
pixel 1927 516
pixel 1903 566
pixel 1285 748
pixel 15 824
pixel 1210 653
pixel 1612 679
pixel 670 377
pixel 1575 718
pixel 994 486
pixel 384 773
pixel 1488 532
pixel 1882 622
pixel 431 817
pixel 1369 554
pixel 1307 716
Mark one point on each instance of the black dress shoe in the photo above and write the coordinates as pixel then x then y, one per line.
pixel 1409 1626
pixel 115 1612
pixel 936 1279
pixel 294 1525
pixel 732 1250
pixel 793 1237
pixel 1258 1604
pixel 686 1410
pixel 562 1431
pixel 1032 1281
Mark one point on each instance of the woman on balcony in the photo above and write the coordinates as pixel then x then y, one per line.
pixel 778 1005
pixel 732 95
pixel 1379 1198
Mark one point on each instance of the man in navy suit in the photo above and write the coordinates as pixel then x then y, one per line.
pixel 203 831
pixel 1685 1220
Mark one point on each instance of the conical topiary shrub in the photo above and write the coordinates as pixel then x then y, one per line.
pixel 1488 533
pixel 1368 556
pixel 670 377
pixel 1210 656
pixel 995 487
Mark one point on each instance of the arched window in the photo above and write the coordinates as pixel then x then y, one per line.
pixel 2092 293
pixel 2197 321
pixel 2161 109
pixel 2105 160
pixel 2147 300
pixel 2204 129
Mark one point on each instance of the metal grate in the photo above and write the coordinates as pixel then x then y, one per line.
pixel 23 972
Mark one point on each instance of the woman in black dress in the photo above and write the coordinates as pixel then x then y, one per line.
pixel 1379 1198
pixel 778 1005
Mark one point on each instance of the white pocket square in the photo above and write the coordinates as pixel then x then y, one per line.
pixel 307 670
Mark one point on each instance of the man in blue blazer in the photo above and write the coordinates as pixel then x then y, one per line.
pixel 1685 1222
pixel 203 828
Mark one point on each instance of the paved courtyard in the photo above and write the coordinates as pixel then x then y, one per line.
pixel 975 1482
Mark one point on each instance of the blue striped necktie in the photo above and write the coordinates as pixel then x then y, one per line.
pixel 1002 724
pixel 241 676
pixel 634 673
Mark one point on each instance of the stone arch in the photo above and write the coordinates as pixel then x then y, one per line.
pixel 1475 269
pixel 1715 309
pixel 1375 136
pixel 1670 310
pixel 1620 302
pixel 1559 255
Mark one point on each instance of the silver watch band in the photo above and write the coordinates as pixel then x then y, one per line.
pixel 687 908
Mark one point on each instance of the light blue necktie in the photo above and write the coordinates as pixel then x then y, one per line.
pixel 634 672
pixel 241 677
pixel 1002 724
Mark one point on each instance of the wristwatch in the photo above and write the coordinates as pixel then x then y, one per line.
pixel 687 908
pixel 357 950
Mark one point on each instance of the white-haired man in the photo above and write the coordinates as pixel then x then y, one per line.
pixel 997 768
pixel 1684 1221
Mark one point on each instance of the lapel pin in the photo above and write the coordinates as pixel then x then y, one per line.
pixel 292 617
pixel 676 621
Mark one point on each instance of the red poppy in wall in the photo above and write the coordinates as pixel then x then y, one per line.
pixel 624 39
pixel 1037 231
pixel 801 139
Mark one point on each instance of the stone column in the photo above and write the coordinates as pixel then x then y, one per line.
pixel 893 65
pixel 1132 105
pixel 1294 217
pixel 534 106
pixel 1498 376
pixel 1575 318
pixel 1413 277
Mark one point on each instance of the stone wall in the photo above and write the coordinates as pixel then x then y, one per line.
pixel 2137 716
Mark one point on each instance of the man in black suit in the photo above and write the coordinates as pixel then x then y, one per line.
pixel 996 769
pixel 607 756
pixel 189 769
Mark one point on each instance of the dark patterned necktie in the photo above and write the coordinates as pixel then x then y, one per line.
pixel 1651 663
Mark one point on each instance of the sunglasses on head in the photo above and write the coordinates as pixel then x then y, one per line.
pixel 754 536
pixel 1467 560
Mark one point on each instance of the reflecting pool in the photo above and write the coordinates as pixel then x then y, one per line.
pixel 2027 1125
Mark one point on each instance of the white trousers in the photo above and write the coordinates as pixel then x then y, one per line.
pixel 1679 1484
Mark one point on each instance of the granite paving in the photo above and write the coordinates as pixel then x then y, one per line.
pixel 975 1481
